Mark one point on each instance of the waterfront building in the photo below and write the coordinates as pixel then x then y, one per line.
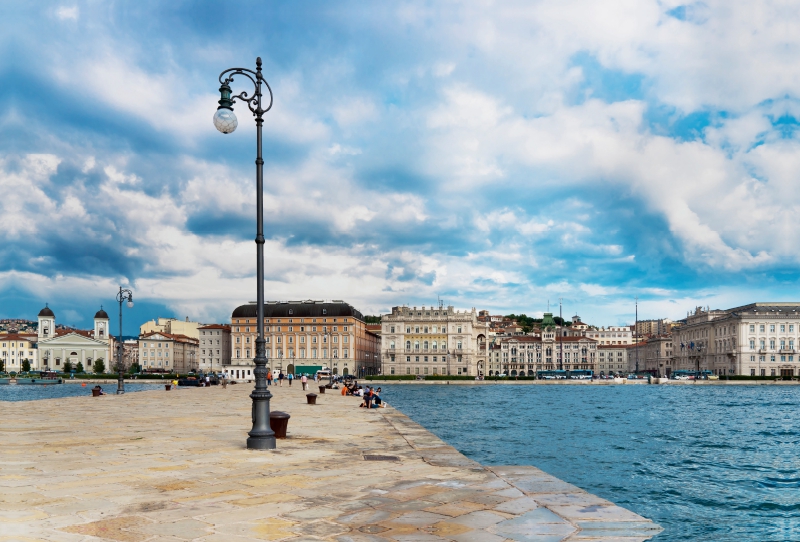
pixel 16 348
pixel 612 359
pixel 755 339
pixel 658 326
pixel 611 335
pixel 304 334
pixel 215 347
pixel 172 326
pixel 657 353
pixel 56 346
pixel 433 340
pixel 167 352
pixel 524 355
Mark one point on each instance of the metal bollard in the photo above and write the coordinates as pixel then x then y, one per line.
pixel 312 398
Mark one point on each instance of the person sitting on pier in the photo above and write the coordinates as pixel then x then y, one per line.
pixel 100 390
pixel 368 396
pixel 376 400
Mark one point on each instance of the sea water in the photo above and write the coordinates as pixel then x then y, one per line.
pixel 33 392
pixel 708 463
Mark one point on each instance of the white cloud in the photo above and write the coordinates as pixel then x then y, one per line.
pixel 68 13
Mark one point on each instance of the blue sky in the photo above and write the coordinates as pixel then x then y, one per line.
pixel 496 155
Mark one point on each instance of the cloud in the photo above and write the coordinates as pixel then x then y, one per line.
pixel 68 13
pixel 496 155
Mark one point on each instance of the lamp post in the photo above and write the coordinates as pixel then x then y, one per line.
pixel 122 295
pixel 261 435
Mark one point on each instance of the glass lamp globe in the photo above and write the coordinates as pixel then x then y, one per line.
pixel 130 303
pixel 225 121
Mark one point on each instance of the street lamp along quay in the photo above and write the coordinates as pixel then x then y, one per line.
pixel 122 296
pixel 261 435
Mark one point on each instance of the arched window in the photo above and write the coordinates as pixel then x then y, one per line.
pixel 435 345
pixel 425 345
pixel 391 345
pixel 408 345
pixel 416 345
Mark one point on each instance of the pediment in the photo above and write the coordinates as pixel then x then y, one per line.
pixel 72 339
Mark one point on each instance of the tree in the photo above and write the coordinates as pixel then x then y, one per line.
pixel 99 366
pixel 67 366
pixel 372 319
pixel 26 365
pixel 2 366
pixel 135 368
pixel 79 368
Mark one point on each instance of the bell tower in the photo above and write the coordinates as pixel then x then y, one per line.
pixel 101 325
pixel 47 323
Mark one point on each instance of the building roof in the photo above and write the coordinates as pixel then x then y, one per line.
pixel 299 309
pixel 46 311
pixel 170 336
pixel 101 314
pixel 16 337
pixel 216 326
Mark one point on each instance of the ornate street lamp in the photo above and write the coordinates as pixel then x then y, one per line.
pixel 261 435
pixel 122 295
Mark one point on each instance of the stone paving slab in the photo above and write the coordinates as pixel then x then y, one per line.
pixel 172 466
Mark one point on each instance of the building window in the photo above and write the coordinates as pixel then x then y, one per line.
pixel 752 371
pixel 391 371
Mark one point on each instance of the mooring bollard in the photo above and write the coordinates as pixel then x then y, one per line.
pixel 322 389
pixel 312 398
pixel 279 422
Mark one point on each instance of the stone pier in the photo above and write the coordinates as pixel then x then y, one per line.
pixel 172 466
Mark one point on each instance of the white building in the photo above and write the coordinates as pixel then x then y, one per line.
pixel 76 346
pixel 611 335
pixel 215 347
pixel 755 339
pixel 433 340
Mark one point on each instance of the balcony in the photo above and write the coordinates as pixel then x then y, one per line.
pixel 787 351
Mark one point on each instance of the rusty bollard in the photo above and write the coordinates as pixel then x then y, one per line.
pixel 322 389
pixel 312 398
pixel 279 422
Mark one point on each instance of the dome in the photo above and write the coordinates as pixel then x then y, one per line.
pixel 101 314
pixel 46 312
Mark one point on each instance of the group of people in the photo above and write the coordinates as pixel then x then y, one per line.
pixel 280 377
pixel 372 398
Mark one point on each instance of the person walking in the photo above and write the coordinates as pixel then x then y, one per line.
pixel 280 379
pixel 290 378
pixel 269 378
pixel 304 380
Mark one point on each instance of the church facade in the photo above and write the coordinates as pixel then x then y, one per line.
pixel 57 346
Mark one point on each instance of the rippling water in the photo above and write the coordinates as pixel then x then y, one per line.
pixel 707 462
pixel 54 391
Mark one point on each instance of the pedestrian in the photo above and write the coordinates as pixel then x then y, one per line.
pixel 304 380
pixel 280 379
pixel 208 381
pixel 290 378
pixel 269 378
pixel 225 381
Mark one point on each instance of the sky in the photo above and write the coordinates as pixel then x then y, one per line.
pixel 496 155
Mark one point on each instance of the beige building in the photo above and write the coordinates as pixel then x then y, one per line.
pixel 657 353
pixel 215 347
pixel 755 339
pixel 16 348
pixel 167 352
pixel 612 359
pixel 433 340
pixel 660 326
pixel 611 335
pixel 304 334
pixel 172 326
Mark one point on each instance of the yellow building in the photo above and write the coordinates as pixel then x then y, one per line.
pixel 172 326
pixel 16 348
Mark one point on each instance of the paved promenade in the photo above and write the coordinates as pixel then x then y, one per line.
pixel 172 466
